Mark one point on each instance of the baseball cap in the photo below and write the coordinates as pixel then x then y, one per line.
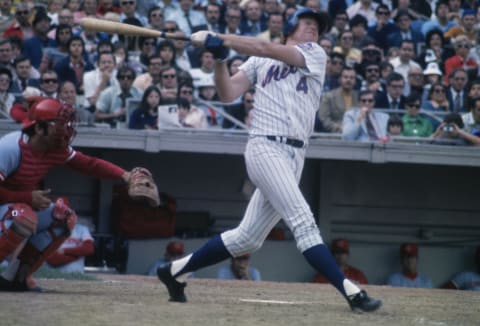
pixel 432 69
pixel 175 248
pixel 340 245
pixel 409 249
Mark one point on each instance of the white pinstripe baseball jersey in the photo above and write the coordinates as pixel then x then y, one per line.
pixel 286 97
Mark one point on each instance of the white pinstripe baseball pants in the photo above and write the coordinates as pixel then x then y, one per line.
pixel 275 169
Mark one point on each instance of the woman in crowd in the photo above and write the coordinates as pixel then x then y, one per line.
pixel 146 115
pixel 437 103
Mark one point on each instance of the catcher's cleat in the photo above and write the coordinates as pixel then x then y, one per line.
pixel 175 288
pixel 361 302
pixel 15 286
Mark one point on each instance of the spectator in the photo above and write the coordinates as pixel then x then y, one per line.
pixel 111 106
pixel 65 17
pixel 471 119
pixel 95 81
pixel 6 98
pixel 273 6
pixel 7 16
pixel 335 65
pixel 53 8
pixel 186 17
pixel 34 45
pixel 49 84
pixel 409 276
pixel 152 76
pixel 437 102
pixel 404 62
pixel 106 6
pixel 365 8
pixel 68 93
pixel 405 31
pixel 122 57
pixel 340 24
pixel 239 269
pixel 340 249
pixel 212 15
pixel 433 75
pixel 358 26
pixel 173 250
pixel 207 63
pixel 21 27
pixel 336 102
pixel 51 56
pixel 23 72
pixel 345 47
pixel 415 81
pixel 128 8
pixel 451 132
pixel 240 111
pixel 155 18
pixel 436 50
pixel 456 94
pixel 73 67
pixel 75 7
pixel 414 125
pixel 145 116
pixel 327 45
pixel 233 16
pixel 70 256
pixel 196 118
pixel 371 78
pixel 468 280
pixel 441 19
pixel 382 28
pixel 166 51
pixel 364 124
pixel 182 56
pixel 169 84
pixel 394 126
pixel 466 27
pixel 460 60
pixel 386 70
pixel 273 33
pixel 393 99
pixel 254 21
pixel 148 48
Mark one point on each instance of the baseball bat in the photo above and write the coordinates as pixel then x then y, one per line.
pixel 101 25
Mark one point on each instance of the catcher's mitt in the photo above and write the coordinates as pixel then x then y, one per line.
pixel 142 187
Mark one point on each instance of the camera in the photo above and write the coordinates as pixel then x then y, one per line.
pixel 448 128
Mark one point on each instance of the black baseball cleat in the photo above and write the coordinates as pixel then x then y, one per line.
pixel 361 302
pixel 175 288
pixel 15 286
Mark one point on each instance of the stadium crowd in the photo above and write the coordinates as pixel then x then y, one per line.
pixel 414 61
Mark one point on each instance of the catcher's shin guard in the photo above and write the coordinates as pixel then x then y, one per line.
pixel 24 224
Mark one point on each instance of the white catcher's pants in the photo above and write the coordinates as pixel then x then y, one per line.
pixel 275 169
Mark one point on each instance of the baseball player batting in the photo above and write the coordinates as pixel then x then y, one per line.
pixel 288 79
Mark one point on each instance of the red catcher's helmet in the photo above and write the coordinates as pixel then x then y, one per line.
pixel 53 110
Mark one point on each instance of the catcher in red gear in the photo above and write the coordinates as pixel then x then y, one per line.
pixel 32 226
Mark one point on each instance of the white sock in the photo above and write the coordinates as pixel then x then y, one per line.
pixel 11 271
pixel 350 288
pixel 178 265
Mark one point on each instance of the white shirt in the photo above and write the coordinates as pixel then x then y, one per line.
pixel 92 79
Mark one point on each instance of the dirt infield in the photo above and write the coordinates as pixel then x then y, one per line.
pixel 139 300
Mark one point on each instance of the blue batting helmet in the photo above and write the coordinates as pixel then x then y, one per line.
pixel 322 18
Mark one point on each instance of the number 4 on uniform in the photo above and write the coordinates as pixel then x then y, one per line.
pixel 302 85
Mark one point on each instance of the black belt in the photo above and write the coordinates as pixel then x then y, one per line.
pixel 289 141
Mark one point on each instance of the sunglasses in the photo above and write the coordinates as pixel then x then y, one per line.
pixel 367 100
pixel 22 12
pixel 383 13
pixel 124 3
pixel 49 80
pixel 156 15
pixel 186 92
pixel 466 46
pixel 373 70
pixel 125 77
pixel 169 76
pixel 414 106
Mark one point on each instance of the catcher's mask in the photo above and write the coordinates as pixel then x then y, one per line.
pixel 53 112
